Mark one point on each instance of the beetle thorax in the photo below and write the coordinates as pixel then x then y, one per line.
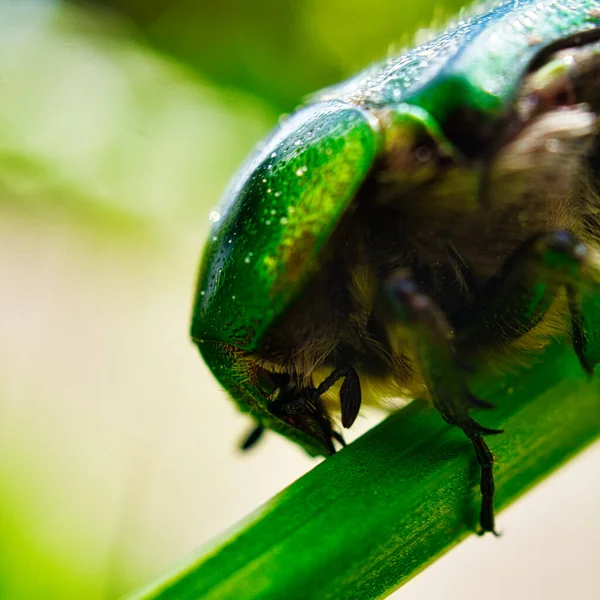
pixel 452 236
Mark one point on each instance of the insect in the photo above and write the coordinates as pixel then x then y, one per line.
pixel 435 213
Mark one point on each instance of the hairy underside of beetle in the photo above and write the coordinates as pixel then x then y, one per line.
pixel 452 232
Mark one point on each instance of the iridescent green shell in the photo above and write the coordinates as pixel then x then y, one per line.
pixel 283 207
pixel 276 218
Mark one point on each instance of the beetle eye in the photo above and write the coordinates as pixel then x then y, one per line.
pixel 269 382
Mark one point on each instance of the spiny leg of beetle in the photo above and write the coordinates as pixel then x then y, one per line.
pixel 516 300
pixel 583 294
pixel 518 297
pixel 584 304
pixel 485 459
pixel 444 377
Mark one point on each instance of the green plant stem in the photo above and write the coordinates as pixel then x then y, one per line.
pixel 368 519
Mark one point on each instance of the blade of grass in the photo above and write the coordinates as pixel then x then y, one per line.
pixel 368 519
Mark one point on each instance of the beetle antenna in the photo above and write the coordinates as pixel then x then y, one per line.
pixel 350 394
pixel 252 438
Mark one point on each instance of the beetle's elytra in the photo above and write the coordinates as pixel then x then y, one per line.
pixel 438 211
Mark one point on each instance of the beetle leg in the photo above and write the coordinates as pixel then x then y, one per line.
pixel 350 394
pixel 584 304
pixel 508 306
pixel 445 379
pixel 518 297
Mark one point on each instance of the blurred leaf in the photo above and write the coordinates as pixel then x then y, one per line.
pixel 103 118
pixel 279 51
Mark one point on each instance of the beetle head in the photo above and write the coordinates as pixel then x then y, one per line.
pixel 273 399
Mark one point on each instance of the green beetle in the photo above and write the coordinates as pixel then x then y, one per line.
pixel 435 213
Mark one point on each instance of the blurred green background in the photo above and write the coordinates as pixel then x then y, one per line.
pixel 121 122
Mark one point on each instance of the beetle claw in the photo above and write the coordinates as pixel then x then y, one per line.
pixel 476 402
pixel 338 438
pixel 478 429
